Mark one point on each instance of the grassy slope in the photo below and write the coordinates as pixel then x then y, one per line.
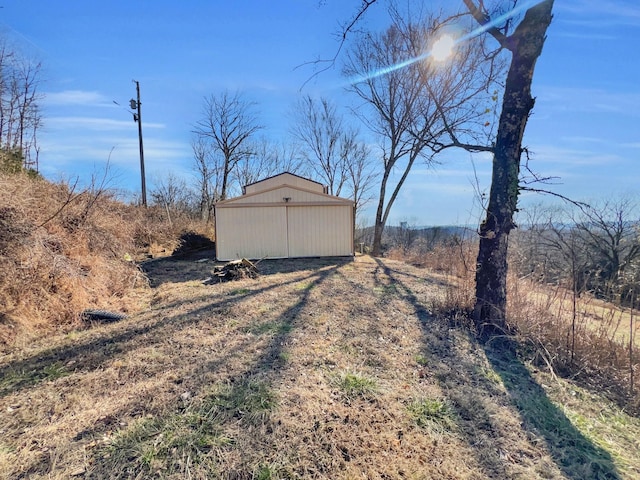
pixel 317 369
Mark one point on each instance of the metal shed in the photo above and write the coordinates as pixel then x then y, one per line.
pixel 281 217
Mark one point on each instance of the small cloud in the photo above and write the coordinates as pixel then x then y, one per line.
pixel 87 123
pixel 587 36
pixel 588 100
pixel 583 140
pixel 600 13
pixel 76 97
pixel 569 157
pixel 98 124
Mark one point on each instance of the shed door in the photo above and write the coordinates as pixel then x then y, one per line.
pixel 319 230
pixel 254 232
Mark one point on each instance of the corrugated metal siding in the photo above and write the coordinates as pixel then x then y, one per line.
pixel 262 224
pixel 320 231
pixel 285 178
pixel 254 232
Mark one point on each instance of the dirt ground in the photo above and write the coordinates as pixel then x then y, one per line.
pixel 318 368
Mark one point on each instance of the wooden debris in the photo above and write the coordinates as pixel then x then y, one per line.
pixel 234 270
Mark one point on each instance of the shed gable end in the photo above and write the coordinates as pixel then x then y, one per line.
pixel 285 178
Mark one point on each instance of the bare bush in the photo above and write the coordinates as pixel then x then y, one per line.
pixel 584 338
pixel 65 250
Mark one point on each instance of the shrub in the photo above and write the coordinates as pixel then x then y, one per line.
pixel 64 250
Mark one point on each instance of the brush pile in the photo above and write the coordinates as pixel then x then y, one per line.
pixel 234 270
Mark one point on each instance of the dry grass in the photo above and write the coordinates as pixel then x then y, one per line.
pixel 590 346
pixel 326 369
pixel 63 250
pixel 593 315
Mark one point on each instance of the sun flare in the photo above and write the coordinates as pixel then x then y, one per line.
pixel 442 48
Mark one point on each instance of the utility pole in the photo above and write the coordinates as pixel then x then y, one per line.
pixel 135 105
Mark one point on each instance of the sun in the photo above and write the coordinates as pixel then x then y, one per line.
pixel 442 48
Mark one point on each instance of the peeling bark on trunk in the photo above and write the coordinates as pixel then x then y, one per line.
pixel 491 275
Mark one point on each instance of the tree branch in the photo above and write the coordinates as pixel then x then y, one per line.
pixel 454 139
pixel 345 33
pixel 581 205
pixel 485 21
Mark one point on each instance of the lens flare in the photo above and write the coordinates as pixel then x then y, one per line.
pixel 443 47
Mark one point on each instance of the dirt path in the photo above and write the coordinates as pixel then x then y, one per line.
pixel 329 369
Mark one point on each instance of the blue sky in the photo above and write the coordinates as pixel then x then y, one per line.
pixel 585 127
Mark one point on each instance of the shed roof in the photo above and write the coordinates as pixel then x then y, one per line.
pixel 284 178
pixel 284 194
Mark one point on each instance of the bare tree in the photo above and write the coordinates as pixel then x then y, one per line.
pixel 172 193
pixel 20 116
pixel 287 158
pixel 208 169
pixel 228 123
pixel 404 235
pixel 320 130
pixel 417 108
pixel 267 159
pixel 332 150
pixel 525 45
pixel 361 176
pixel 611 238
pixel 565 259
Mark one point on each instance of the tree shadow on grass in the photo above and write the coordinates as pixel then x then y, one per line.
pixel 242 402
pixel 198 267
pixel 94 351
pixel 575 455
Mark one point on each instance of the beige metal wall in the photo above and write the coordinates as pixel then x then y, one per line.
pixel 320 231
pixel 253 232
pixel 284 231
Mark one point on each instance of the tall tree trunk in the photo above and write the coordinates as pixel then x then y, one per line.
pixel 225 178
pixel 491 275
pixel 378 227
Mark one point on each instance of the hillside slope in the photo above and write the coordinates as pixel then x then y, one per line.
pixel 66 248
pixel 327 369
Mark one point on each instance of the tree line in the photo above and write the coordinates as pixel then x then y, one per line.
pixel 20 114
pixel 586 248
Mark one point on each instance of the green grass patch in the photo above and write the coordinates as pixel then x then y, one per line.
pixel 385 290
pixel 421 360
pixel 160 446
pixel 284 357
pixel 272 472
pixel 354 385
pixel 189 441
pixel 432 413
pixel 248 400
pixel 491 375
pixel 18 379
pixel 239 291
